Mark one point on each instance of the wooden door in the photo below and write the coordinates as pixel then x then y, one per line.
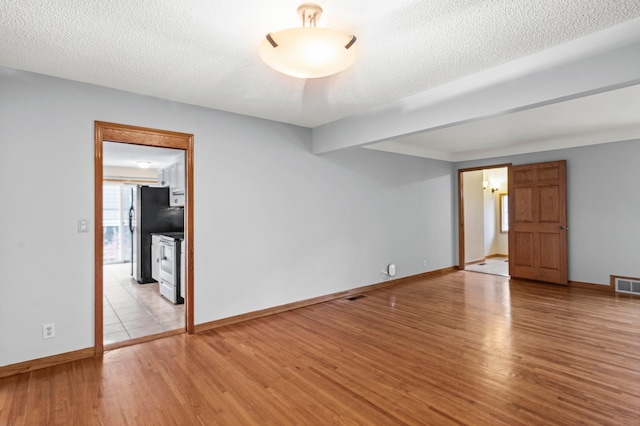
pixel 538 222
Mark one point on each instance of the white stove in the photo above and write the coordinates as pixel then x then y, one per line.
pixel 170 282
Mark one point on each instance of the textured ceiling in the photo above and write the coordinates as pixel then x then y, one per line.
pixel 204 52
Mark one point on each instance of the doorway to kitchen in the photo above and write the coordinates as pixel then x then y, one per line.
pixel 484 220
pixel 134 203
pixel 133 303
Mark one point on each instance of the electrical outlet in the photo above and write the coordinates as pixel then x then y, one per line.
pixel 424 263
pixel 48 331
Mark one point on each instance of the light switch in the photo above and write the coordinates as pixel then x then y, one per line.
pixel 83 225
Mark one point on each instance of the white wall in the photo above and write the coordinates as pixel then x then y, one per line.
pixel 473 216
pixel 495 242
pixel 274 224
pixel 603 183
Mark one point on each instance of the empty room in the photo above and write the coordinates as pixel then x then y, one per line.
pixel 287 213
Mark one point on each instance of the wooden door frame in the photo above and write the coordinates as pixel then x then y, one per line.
pixel 154 138
pixel 461 248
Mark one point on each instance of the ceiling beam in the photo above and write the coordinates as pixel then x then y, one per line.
pixel 602 61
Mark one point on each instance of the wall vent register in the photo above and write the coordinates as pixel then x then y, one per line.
pixel 628 285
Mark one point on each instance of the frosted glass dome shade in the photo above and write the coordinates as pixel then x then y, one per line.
pixel 309 52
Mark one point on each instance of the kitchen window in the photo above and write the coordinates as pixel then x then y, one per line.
pixel 116 198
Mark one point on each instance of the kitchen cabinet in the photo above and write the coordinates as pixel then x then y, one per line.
pixel 155 257
pixel 168 176
pixel 162 178
pixel 176 188
pixel 180 174
pixel 173 176
pixel 172 172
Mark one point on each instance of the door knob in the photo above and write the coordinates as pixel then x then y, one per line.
pixel 563 228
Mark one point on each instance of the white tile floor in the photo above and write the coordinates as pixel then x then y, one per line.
pixel 134 310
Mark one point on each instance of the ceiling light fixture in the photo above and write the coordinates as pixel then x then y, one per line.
pixel 307 51
pixel 144 164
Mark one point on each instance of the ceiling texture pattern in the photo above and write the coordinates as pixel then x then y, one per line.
pixel 205 52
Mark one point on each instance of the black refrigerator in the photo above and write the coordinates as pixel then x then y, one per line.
pixel 150 213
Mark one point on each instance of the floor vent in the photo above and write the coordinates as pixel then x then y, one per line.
pixel 482 264
pixel 628 285
pixel 356 297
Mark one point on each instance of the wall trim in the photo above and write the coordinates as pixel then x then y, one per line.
pixel 611 288
pixel 143 339
pixel 50 361
pixel 315 300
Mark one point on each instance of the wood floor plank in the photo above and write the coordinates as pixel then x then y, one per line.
pixel 459 349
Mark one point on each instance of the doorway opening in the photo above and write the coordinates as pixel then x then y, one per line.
pixel 130 306
pixel 133 303
pixel 483 219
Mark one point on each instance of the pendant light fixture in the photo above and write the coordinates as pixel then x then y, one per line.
pixel 308 51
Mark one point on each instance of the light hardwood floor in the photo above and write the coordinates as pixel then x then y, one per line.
pixel 462 348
